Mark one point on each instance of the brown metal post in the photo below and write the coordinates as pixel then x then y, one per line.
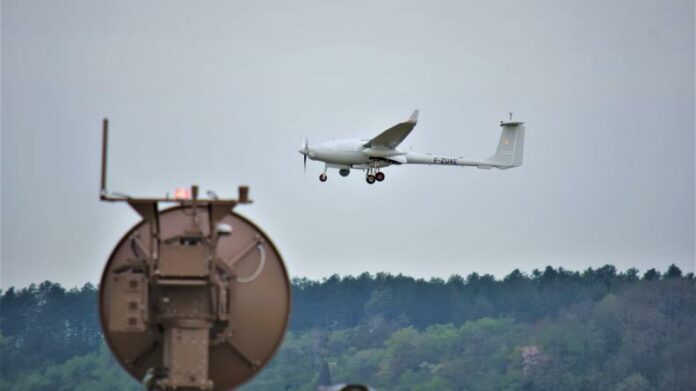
pixel 243 194
pixel 105 141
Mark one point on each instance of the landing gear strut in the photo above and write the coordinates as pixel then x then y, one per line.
pixel 373 174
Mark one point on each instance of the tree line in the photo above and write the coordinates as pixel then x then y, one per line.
pixel 555 329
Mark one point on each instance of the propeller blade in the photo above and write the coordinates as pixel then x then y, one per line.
pixel 305 148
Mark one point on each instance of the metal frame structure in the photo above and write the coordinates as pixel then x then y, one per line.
pixel 194 297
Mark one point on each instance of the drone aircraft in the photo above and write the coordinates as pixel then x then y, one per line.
pixel 373 155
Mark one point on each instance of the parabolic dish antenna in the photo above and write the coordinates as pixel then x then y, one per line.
pixel 194 297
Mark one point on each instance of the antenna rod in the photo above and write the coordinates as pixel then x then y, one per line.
pixel 105 141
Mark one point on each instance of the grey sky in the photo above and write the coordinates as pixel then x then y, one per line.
pixel 223 93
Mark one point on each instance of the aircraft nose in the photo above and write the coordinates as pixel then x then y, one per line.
pixel 307 152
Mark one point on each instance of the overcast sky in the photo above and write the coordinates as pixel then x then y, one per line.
pixel 223 93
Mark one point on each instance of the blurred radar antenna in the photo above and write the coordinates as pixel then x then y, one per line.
pixel 194 297
pixel 212 195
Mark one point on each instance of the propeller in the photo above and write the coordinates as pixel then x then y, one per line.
pixel 305 149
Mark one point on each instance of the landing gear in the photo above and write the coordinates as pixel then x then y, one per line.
pixel 323 177
pixel 374 175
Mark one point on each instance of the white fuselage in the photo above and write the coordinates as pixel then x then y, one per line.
pixel 352 153
pixel 340 152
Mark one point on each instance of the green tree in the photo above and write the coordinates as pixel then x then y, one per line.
pixel 673 272
pixel 634 382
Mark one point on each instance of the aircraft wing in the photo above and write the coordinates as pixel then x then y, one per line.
pixel 393 136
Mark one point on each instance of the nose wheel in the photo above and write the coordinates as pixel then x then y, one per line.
pixel 323 177
pixel 370 179
pixel 379 176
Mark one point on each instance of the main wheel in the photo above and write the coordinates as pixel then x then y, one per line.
pixel 370 179
pixel 323 177
pixel 379 176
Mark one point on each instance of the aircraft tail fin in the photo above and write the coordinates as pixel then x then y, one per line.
pixel 510 146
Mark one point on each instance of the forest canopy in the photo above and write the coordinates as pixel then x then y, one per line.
pixel 553 329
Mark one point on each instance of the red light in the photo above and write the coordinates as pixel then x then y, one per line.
pixel 182 193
